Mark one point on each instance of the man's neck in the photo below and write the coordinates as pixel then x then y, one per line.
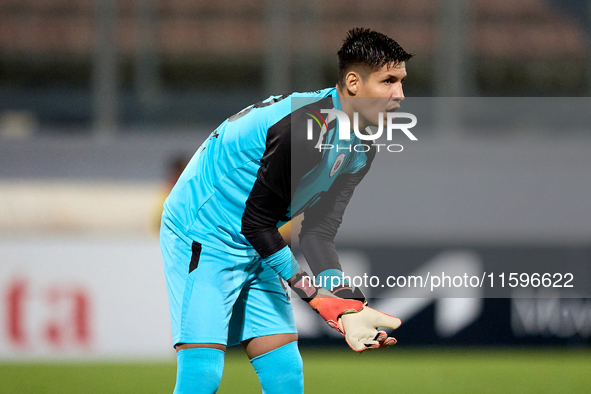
pixel 346 102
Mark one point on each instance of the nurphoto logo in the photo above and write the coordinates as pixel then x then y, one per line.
pixel 372 133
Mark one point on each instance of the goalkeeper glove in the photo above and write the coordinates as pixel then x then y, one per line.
pixel 358 324
pixel 329 307
pixel 361 329
pixel 382 338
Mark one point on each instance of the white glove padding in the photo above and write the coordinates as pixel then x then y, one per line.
pixel 361 329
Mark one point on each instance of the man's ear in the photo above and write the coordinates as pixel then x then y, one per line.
pixel 352 82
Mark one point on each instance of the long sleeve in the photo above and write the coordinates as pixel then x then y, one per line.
pixel 323 219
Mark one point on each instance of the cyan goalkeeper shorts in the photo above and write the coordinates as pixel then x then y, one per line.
pixel 216 297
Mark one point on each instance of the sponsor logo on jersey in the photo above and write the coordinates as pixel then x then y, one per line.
pixel 337 164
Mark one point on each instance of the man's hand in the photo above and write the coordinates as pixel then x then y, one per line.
pixel 361 329
pixel 329 307
pixel 361 334
pixel 332 308
pixel 358 324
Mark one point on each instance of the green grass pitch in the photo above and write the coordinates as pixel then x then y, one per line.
pixel 408 370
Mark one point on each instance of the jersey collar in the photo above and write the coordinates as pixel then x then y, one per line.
pixel 336 101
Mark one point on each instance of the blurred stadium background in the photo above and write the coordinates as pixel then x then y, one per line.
pixel 100 100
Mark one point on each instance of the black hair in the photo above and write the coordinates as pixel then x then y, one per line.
pixel 366 51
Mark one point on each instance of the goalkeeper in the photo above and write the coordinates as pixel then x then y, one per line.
pixel 220 242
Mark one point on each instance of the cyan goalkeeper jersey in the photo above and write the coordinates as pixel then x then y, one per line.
pixel 259 168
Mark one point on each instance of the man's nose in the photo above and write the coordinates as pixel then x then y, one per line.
pixel 398 92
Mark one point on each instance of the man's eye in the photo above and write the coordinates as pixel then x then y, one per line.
pixel 388 81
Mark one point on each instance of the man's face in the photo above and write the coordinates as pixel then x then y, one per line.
pixel 382 90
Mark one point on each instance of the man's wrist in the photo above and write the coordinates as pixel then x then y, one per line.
pixel 303 285
pixel 332 278
pixel 283 262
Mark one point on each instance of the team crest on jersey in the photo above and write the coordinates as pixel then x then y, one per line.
pixel 337 164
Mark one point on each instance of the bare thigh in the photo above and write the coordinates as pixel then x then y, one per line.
pixel 182 346
pixel 257 346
